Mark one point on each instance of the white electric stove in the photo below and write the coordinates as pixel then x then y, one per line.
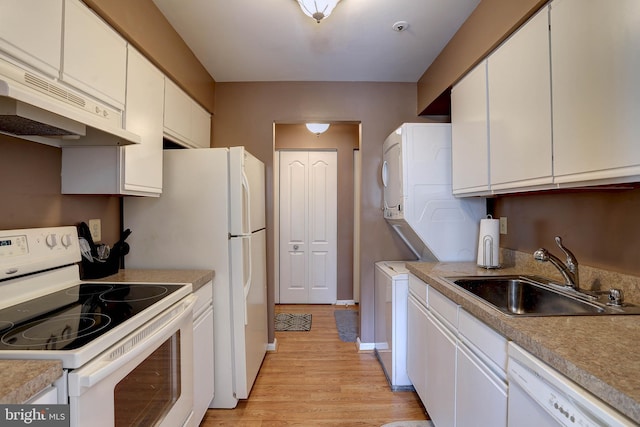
pixel 107 335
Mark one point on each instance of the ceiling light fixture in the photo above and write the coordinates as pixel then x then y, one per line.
pixel 317 128
pixel 317 9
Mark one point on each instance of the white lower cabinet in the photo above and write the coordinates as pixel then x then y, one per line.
pixel 481 396
pixel 456 363
pixel 203 352
pixel 417 336
pixel 48 396
pixel 481 384
pixel 440 399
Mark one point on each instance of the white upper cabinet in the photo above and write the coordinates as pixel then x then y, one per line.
pixel 95 56
pixel 520 109
pixel 596 92
pixel 31 31
pixel 134 169
pixel 144 116
pixel 185 122
pixel 469 133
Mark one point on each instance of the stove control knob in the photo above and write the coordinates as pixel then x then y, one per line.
pixel 66 240
pixel 51 240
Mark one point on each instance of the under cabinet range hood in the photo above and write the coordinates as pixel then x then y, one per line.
pixel 42 110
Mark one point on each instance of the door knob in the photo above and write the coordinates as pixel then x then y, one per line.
pixel 295 247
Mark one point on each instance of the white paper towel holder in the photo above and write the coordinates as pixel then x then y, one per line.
pixel 486 243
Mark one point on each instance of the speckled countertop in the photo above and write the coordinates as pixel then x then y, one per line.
pixel 600 353
pixel 197 278
pixel 22 379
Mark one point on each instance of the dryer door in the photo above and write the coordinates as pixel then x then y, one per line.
pixel 392 177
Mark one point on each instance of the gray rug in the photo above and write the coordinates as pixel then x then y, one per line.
pixel 347 324
pixel 293 322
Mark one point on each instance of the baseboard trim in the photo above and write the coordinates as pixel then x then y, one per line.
pixel 273 346
pixel 346 302
pixel 364 346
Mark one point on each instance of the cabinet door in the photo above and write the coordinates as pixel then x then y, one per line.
pixel 203 354
pixel 31 31
pixel 144 111
pixel 200 126
pixel 441 373
pixel 520 108
pixel 177 113
pixel 417 347
pixel 469 133
pixel 596 95
pixel 481 397
pixel 134 169
pixel 95 56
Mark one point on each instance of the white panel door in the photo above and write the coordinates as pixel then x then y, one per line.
pixel 308 227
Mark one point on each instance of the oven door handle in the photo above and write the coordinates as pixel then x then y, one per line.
pixel 99 369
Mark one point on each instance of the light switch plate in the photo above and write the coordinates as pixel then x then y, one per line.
pixel 95 227
pixel 503 225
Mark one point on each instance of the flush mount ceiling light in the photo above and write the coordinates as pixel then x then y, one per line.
pixel 317 128
pixel 317 9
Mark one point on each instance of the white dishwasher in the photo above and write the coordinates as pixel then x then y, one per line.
pixel 541 397
pixel 391 291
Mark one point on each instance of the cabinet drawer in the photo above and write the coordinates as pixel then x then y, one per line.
pixel 443 307
pixel 418 288
pixel 490 342
pixel 205 298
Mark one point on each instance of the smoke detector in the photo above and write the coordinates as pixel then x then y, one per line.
pixel 400 26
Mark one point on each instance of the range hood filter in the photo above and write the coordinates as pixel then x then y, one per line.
pixel 20 119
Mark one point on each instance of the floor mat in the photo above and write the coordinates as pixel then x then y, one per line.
pixel 293 322
pixel 347 324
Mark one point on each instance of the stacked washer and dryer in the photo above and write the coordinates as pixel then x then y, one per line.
pixel 436 226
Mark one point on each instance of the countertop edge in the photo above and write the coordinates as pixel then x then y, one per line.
pixel 197 278
pixel 23 379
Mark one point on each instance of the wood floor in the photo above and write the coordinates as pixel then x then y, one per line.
pixel 314 379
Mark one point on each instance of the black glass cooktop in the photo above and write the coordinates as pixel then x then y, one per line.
pixel 70 318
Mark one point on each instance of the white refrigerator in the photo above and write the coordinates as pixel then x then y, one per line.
pixel 211 215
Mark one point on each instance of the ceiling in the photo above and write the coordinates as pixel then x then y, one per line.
pixel 272 40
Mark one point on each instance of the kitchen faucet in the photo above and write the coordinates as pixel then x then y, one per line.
pixel 569 270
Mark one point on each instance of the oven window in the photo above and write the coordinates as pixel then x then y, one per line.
pixel 148 393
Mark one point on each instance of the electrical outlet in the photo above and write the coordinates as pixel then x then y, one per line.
pixel 95 227
pixel 503 225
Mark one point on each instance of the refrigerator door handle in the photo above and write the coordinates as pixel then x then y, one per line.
pixel 246 195
pixel 249 280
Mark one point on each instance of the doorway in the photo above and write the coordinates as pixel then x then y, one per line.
pixel 344 139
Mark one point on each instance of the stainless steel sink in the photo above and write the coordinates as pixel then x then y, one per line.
pixel 535 296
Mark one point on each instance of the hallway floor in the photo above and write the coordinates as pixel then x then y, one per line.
pixel 314 379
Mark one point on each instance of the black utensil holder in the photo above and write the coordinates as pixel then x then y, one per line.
pixel 99 269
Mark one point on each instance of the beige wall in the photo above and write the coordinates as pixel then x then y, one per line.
pixel 490 23
pixel 30 192
pixel 246 113
pixel 599 226
pixel 344 138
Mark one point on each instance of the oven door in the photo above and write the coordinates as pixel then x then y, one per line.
pixel 144 380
